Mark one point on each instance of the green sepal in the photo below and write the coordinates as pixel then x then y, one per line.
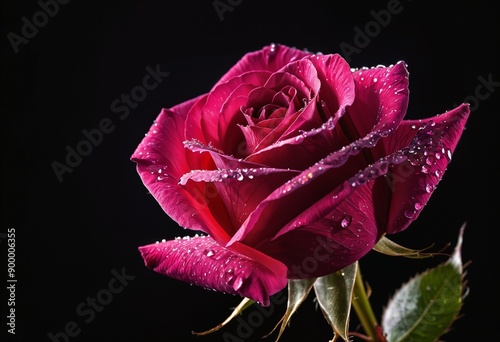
pixel 244 304
pixel 334 296
pixel 389 247
pixel 298 290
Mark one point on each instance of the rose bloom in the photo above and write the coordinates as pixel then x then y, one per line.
pixel 292 166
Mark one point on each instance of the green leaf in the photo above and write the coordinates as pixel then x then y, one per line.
pixel 298 290
pixel 388 247
pixel 334 295
pixel 423 309
pixel 245 303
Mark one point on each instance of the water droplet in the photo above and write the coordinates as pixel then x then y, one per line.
pixel 409 214
pixel 303 179
pixel 429 188
pixel 272 50
pixel 209 253
pixel 287 188
pixel 430 160
pixel 418 205
pixel 362 179
pixel 346 221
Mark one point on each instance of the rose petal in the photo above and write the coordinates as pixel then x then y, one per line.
pixel 398 202
pixel 381 100
pixel 239 174
pixel 412 172
pixel 216 99
pixel 225 178
pixel 222 161
pixel 254 135
pixel 345 192
pixel 241 189
pixel 304 190
pixel 309 145
pixel 341 227
pixel 429 155
pixel 392 108
pixel 203 262
pixel 331 243
pixel 270 58
pixel 257 97
pixel 193 129
pixel 300 74
pixel 302 193
pixel 294 196
pixel 337 84
pixel 304 77
pixel 161 161
pixel 231 116
pixel 337 93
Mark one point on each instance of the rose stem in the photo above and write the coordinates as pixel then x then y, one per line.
pixel 363 309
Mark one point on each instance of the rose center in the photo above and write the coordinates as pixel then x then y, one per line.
pixel 268 114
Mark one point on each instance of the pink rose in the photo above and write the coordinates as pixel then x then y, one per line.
pixel 293 165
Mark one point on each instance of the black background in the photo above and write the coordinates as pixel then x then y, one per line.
pixel 71 235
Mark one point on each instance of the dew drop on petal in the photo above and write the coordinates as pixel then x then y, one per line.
pixel 430 160
pixel 346 221
pixel 287 188
pixel 429 188
pixel 409 214
pixel 272 50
